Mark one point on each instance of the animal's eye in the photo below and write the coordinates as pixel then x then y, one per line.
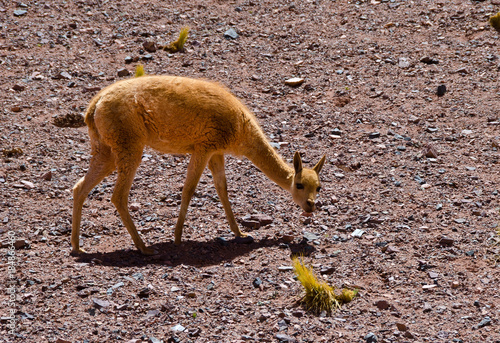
pixel 300 186
pixel 318 189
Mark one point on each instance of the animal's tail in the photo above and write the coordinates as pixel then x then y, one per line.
pixel 89 120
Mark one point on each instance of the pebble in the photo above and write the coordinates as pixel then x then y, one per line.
pixel 20 13
pixel 485 322
pixel 455 284
pixel 374 135
pixel 257 282
pixel 134 206
pixel 285 268
pixel 433 275
pixel 18 88
pixel 403 62
pixel 430 152
pixel 401 327
pixel 149 46
pixel 308 236
pixel 371 337
pixel 122 72
pixel 285 338
pixel 99 303
pixel 382 304
pixel 178 328
pixel 294 81
pixel 357 233
pixel 441 90
pixel 47 176
pixel 231 34
pixel 429 60
pixel 446 241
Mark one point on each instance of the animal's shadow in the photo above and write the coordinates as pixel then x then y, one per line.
pixel 191 253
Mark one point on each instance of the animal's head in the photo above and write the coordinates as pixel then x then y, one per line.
pixel 306 183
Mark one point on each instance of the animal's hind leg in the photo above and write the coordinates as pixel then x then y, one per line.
pixel 216 165
pixel 101 165
pixel 127 162
pixel 196 165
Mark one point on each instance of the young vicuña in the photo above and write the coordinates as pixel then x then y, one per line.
pixel 186 116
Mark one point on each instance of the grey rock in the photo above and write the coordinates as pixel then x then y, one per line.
pixel 257 282
pixel 178 328
pixel 485 322
pixel 99 303
pixel 446 241
pixel 231 34
pixel 371 337
pixel 20 13
pixel 285 338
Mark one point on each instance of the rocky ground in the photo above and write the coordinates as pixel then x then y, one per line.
pixel 409 205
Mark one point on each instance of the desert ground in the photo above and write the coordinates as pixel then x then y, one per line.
pixel 401 96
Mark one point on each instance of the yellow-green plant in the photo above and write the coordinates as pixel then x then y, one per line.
pixel 178 45
pixel 495 21
pixel 139 70
pixel 319 296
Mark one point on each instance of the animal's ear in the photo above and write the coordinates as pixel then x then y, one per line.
pixel 297 163
pixel 319 165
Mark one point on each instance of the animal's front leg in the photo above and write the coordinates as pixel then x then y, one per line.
pixel 216 165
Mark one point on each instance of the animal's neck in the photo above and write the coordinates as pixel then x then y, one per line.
pixel 258 150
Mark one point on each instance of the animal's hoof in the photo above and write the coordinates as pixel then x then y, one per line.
pixel 243 239
pixel 148 251
pixel 77 252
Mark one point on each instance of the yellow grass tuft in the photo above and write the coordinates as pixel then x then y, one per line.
pixel 319 296
pixel 178 45
pixel 495 21
pixel 139 70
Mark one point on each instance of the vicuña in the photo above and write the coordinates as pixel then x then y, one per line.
pixel 186 116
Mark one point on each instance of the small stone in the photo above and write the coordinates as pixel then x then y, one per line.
pixel 178 328
pixel 144 293
pixel 371 338
pixel 382 304
pixel 123 72
pixel 15 109
pixel 18 88
pixel 455 284
pixel 285 268
pixel 231 34
pixel 152 313
pixel 441 90
pixel 429 60
pixel 98 303
pixel 357 233
pixel 20 243
pixel 60 340
pixel 47 176
pixel 128 60
pixel 446 241
pixel 27 184
pixel 298 313
pixel 466 132
pixel 294 81
pixel 430 152
pixel 401 327
pixel 20 13
pixel 439 207
pixel 257 282
pixel 432 129
pixel 285 338
pixel 427 307
pixel 149 46
pixel 310 237
pixel 460 220
pixel 485 322
pixel 134 206
pixel 403 62
pixel 433 275
pixel 374 135
pixel 64 75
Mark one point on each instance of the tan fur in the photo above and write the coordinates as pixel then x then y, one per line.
pixel 179 115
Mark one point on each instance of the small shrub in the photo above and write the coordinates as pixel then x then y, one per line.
pixel 319 296
pixel 178 45
pixel 495 21
pixel 139 70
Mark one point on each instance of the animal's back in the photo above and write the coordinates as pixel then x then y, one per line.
pixel 170 114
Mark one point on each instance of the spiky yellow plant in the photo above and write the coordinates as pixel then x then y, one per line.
pixel 178 45
pixel 319 296
pixel 495 21
pixel 139 70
